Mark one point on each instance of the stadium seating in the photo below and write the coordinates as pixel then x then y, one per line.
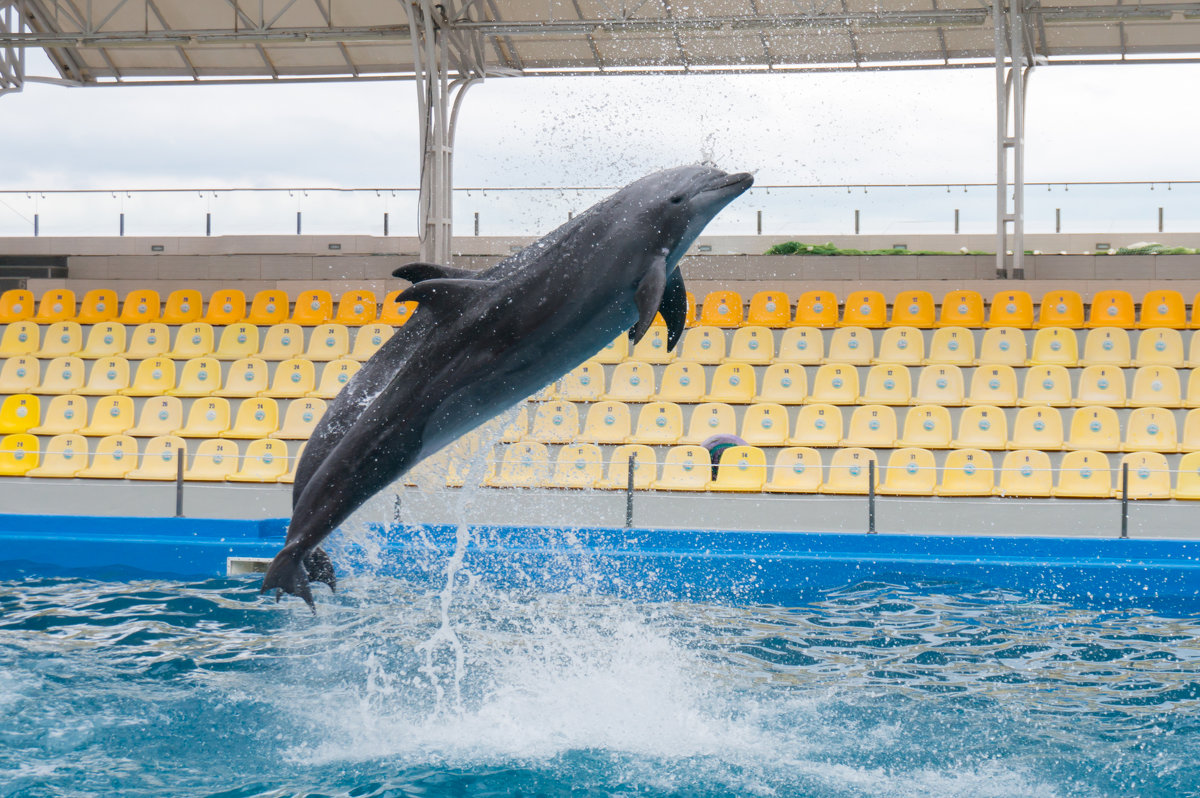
pixel 704 345
pixel 742 469
pixel 1054 346
pixel 328 342
pixel 940 385
pixel 200 376
pixel 1149 476
pixel 62 375
pixel 112 458
pixel 141 306
pixel 711 418
pixel 1112 309
pixel 901 346
pixel 659 424
pixel 765 424
pixel 786 384
pixel 334 377
pixel 1163 308
pixel 268 307
pixel 263 461
pixel 312 307
pixel 682 382
pixel 1011 309
pixel 803 346
pixel 967 472
pixel 632 381
pixel 55 305
pixel 927 427
pixel 293 378
pixel 952 346
pixel 105 339
pixel 64 457
pixel 872 426
pixel 607 422
pixel 645 468
pixel 770 309
pixel 247 377
pixel 368 340
pixel 1084 474
pixel 585 383
pixel 1037 428
pixel 395 312
pixel 817 425
pixel 864 309
pixel 1155 386
pixel 615 351
pixel 722 309
pixel 961 309
pixel 685 468
pixel 1095 428
pixel 20 338
pixel 64 414
pixel 993 385
pixel 21 375
pixel 256 418
pixel 182 307
pixel 733 383
pixel 1151 429
pixel 154 376
pixel 214 461
pixel 1061 309
pixel 909 472
pixel 835 384
pixel 1160 347
pixel 225 306
pixel 797 469
pixel 98 306
pixel 18 454
pixel 849 471
pixel 852 345
pixel 1002 346
pixel 1046 385
pixel 237 341
pixel 151 339
pixel 579 465
pixel 816 309
pixel 62 338
pixel 111 415
pixel 160 415
pixel 160 459
pixel 1106 346
pixel 195 339
pixel 913 309
pixel 300 419
pixel 356 308
pixel 1100 385
pixel 1025 473
pixel 887 385
pixel 16 304
pixel 982 427
pixel 653 347
pixel 19 412
pixel 752 345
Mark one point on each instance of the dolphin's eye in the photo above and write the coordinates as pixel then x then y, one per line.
pixel 678 198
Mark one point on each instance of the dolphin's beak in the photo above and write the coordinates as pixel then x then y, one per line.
pixel 730 185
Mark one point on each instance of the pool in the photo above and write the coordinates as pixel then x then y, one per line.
pixel 601 662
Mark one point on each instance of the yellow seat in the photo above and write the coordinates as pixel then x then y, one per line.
pixel 961 309
pixel 108 376
pixel 1061 309
pixel 1025 473
pixel 722 309
pixel 645 469
pixel 752 345
pixel 1149 476
pixel 369 339
pixel 967 472
pixel 1193 358
pixel 1084 474
pixel 98 306
pixel 1190 440
pixel 1161 347
pixel 1011 309
pixel 765 424
pixel 21 375
pixel 632 381
pixel 584 383
pixel 555 422
pixel 1095 428
pixel 770 309
pixel 1151 429
pixel 334 377
pixel 615 352
pixel 63 375
pixel 62 338
pixel 226 306
pixel 20 412
pixel 256 418
pixel 282 342
pixel 64 457
pixel 1037 428
pixel 111 415
pixel 1192 399
pixel 1163 308
pixel 927 427
pixel 1055 346
pixel 247 378
pixel 993 385
pixel 192 340
pixel 578 466
pixel 64 414
pixel 940 385
pixel 524 465
pixel 300 419
pixel 57 304
pixel 105 339
pixel 982 427
pixel 852 345
pixel 785 384
pixel 509 427
pixel 160 459
pixel 1187 482
pixel 653 347
pixel 160 415
pixel 113 458
pixel 1106 346
pixel 152 339
pixel 141 306
pixel 1100 385
pixel 207 418
pixel 816 309
pixel 849 471
pixel 395 312
pixel 910 471
pixel 264 461
pixel 803 346
pixel 312 307
pixel 213 462
pixel 20 338
pixel 289 476
pixel 182 307
pixel 294 378
pixel 682 382
pixel 864 309
pixel 742 469
pixel 659 423
pixel 835 384
pixel 1112 309
pixel 705 345
pixel 153 377
pixel 913 309
pixel 607 422
pixel 797 469
pixel 356 308
pixel 686 468
pixel 1002 346
pixel 711 418
pixel 16 304
pixel 817 425
pixel 902 346
pixel 1155 386
pixel 237 341
pixel 887 385
pixel 733 383
pixel 201 376
pixel 328 342
pixel 1046 385
pixel 872 426
pixel 268 307
pixel 952 346
pixel 19 454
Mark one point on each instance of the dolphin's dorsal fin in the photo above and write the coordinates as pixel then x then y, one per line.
pixel 442 297
pixel 674 308
pixel 650 296
pixel 419 272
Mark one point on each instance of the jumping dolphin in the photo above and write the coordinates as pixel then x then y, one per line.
pixel 480 342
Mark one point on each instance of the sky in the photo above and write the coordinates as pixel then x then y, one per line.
pixel 1128 122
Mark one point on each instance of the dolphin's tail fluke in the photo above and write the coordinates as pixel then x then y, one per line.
pixel 287 574
pixel 320 568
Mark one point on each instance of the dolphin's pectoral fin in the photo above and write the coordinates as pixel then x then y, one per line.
pixel 320 568
pixel 674 308
pixel 419 272
pixel 649 296
pixel 287 573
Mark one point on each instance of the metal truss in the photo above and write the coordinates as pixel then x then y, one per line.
pixel 12 59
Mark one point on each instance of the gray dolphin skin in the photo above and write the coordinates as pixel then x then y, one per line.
pixel 480 342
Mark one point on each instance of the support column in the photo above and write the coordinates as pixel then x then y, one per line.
pixel 12 59
pixel 1010 92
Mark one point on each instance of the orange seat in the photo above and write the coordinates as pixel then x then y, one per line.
pixel 313 307
pixel 98 305
pixel 227 306
pixel 864 309
pixel 1112 309
pixel 394 312
pixel 722 309
pixel 1061 309
pixel 356 308
pixel 269 307
pixel 1163 308
pixel 816 309
pixel 961 309
pixel 141 306
pixel 1011 309
pixel 16 304
pixel 770 309
pixel 56 305
pixel 183 306
pixel 913 309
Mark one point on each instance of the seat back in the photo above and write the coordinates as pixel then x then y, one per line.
pixel 263 461
pixel 1047 385
pixel 57 304
pixel 953 346
pixel 356 308
pixel 226 306
pixel 961 309
pixel 113 457
pixel 804 346
pixel 369 339
pixel 614 352
pixel 786 384
pixel 1095 428
pixel 940 385
pixel 734 383
pixel 160 415
pixel 1155 386
pixel 141 306
pixel 200 376
pixel 154 376
pixel 301 419
pixel 708 419
pixel 687 467
pixel 632 381
pixel 182 307
pixel 555 422
pixel 1037 428
pixel 835 384
pixel 160 459
pixel 753 345
pixel 328 342
pixel 108 376
pixel 20 338
pixel 1160 347
pixel 682 382
pixel 16 304
pixel 1061 309
pixel 765 424
pixel 770 309
pixel 659 423
pixel 864 309
pixel 853 345
pixel 1026 472
pixel 1002 346
pixel 967 472
pixel 63 414
pixel 1011 309
pixel 207 418
pixel 982 427
pixel 63 375
pixel 62 338
pixel 282 342
pixel 21 375
pixel 237 341
pixel 213 461
pixel 97 306
pixel 993 385
pixel 1106 346
pixel 607 422
pixel 335 376
pixel 151 339
pixel 578 466
pixel 1055 345
pixel 1151 429
pixel 193 340
pixel 797 470
pixel 584 383
pixel 524 465
pixel 111 415
pixel 313 307
pixel 741 469
pixel 1149 476
pixel 1101 385
pixel 645 469
pixel 268 307
pixel 903 346
pixel 816 309
pixel 872 426
pixel 19 454
pixel 293 378
pixel 64 456
pixel 927 427
pixel 1163 308
pixel 395 311
pixel 910 471
pixel 887 385
pixel 913 309
pixel 1084 474
pixel 653 347
pixel 256 418
pixel 20 412
pixel 703 344
pixel 817 425
pixel 722 309
pixel 1112 309
pixel 849 471
pixel 105 339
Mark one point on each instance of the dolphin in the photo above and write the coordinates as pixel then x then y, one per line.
pixel 480 342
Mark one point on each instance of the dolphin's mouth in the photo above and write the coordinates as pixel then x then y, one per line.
pixel 730 184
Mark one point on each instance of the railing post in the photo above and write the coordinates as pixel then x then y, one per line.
pixel 179 482
pixel 871 497
pixel 385 224
pixel 35 225
pixel 297 222
pixel 208 223
pixel 856 218
pixel 1058 220
pixel 632 464
pixel 1124 500
pixel 956 221
pixel 396 509
pixel 476 222
pixel 760 222
pixel 122 224
pixel 1160 219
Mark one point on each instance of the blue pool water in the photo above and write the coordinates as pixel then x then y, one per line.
pixel 416 686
